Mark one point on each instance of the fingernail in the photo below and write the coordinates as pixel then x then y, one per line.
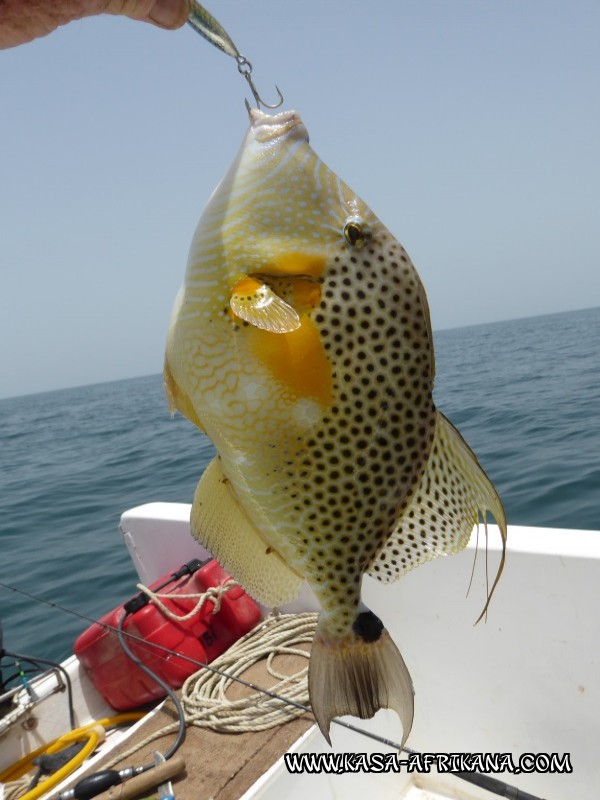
pixel 168 13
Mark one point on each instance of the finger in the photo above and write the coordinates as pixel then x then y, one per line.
pixel 169 14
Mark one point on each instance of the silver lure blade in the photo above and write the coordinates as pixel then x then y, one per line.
pixel 203 22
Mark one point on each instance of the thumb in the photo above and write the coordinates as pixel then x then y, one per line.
pixel 168 13
pixel 164 13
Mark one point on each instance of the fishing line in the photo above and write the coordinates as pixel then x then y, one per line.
pixel 487 782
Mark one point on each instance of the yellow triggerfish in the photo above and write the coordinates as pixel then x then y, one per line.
pixel 301 344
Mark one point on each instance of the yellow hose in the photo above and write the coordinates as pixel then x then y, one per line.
pixel 93 737
pixel 90 732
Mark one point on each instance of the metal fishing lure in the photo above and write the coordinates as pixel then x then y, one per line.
pixel 203 22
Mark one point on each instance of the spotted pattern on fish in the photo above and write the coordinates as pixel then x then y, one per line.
pixel 356 469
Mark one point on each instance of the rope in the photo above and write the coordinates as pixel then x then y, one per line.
pixel 15 789
pixel 203 695
pixel 214 594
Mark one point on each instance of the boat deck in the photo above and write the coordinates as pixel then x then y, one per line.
pixel 221 766
pixel 218 765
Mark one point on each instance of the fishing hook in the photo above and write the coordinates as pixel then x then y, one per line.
pixel 245 69
pixel 210 29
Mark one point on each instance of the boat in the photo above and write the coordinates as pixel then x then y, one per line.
pixel 514 699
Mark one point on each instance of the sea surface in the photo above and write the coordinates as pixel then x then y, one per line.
pixel 525 395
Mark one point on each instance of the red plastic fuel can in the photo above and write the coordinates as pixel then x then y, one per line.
pixel 202 638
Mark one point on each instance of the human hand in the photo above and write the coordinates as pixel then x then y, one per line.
pixel 24 20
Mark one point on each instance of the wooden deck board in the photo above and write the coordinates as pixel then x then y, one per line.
pixel 219 766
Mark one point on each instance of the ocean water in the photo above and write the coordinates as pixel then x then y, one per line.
pixel 525 394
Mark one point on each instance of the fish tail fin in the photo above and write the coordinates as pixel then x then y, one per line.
pixel 358 676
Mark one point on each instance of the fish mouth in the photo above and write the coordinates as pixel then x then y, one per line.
pixel 286 124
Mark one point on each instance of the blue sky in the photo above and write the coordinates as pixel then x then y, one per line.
pixel 471 127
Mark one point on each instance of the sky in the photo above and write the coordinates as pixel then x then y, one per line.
pixel 471 128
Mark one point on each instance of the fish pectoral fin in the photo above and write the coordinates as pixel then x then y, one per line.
pixel 220 524
pixel 452 494
pixel 255 302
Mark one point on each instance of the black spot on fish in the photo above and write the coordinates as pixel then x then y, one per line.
pixel 368 626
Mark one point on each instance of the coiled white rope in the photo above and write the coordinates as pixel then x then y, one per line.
pixel 14 789
pixel 203 694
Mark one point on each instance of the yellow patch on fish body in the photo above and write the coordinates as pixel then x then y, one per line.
pixel 297 264
pixel 302 344
pixel 296 360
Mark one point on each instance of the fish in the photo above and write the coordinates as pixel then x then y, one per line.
pixel 301 344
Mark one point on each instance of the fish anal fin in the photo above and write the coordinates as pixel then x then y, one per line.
pixel 454 493
pixel 255 302
pixel 358 678
pixel 220 524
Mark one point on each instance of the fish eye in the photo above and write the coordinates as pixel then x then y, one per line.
pixel 356 233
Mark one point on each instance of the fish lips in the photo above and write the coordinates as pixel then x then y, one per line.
pixel 268 128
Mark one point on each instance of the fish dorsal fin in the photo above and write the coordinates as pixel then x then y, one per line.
pixel 452 493
pixel 257 303
pixel 220 524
